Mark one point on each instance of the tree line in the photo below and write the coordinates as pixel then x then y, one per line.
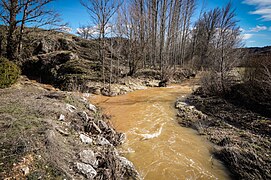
pixel 161 35
pixel 155 34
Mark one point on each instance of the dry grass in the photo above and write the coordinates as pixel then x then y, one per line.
pixel 32 136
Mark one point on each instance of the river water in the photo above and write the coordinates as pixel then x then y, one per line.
pixel 156 144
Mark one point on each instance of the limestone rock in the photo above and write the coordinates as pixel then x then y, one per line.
pixel 88 157
pixel 70 107
pixel 188 114
pixel 92 108
pixel 125 162
pixel 102 141
pixel 102 125
pixel 85 139
pixel 61 117
pixel 87 170
pixel 122 138
pixel 61 131
pixel 95 129
pixel 26 170
pixel 129 166
pixel 84 116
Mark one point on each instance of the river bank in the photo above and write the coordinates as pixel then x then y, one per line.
pixel 51 134
pixel 156 144
pixel 241 137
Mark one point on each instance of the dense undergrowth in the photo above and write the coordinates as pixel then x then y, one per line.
pixel 9 72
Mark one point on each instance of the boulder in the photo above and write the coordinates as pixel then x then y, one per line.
pixel 125 162
pixel 129 167
pixel 87 170
pixel 88 157
pixel 70 107
pixel 85 139
pixel 102 141
pixel 95 129
pixel 92 108
pixel 102 125
pixel 83 115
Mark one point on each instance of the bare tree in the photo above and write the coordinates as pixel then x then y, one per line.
pixel 203 35
pixel 219 40
pixel 101 12
pixel 227 44
pixel 162 33
pixel 187 12
pixel 18 14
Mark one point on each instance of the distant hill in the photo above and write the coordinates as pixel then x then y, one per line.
pixel 255 55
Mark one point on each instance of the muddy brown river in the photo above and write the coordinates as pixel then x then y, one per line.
pixel 156 144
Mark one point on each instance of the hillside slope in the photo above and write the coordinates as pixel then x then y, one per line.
pixel 50 134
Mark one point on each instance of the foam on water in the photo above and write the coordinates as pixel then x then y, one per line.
pixel 156 144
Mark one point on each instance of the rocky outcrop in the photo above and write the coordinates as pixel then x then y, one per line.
pixel 49 67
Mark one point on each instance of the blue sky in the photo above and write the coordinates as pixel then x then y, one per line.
pixel 254 17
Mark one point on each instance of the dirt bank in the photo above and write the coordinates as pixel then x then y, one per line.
pixel 50 134
pixel 242 139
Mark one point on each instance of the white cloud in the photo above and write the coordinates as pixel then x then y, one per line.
pixel 247 36
pixel 242 30
pixel 258 28
pixel 263 8
pixel 66 29
pixel 91 30
pixel 257 2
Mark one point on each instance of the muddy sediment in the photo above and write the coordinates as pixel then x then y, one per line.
pixel 241 137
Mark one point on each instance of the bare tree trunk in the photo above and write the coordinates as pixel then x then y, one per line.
pixel 11 40
pixel 25 9
pixel 162 34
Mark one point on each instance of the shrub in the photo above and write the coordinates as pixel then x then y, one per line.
pixel 9 72
pixel 258 75
pixel 211 84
